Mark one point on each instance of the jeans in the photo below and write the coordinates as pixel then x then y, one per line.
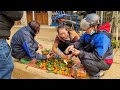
pixel 6 61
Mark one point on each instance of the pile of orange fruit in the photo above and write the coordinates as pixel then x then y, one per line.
pixel 58 66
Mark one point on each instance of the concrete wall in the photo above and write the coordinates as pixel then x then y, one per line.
pixel 49 17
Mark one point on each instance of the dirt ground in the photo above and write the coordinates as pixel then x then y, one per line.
pixel 46 38
pixel 19 74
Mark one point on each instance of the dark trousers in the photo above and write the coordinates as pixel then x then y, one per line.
pixel 93 66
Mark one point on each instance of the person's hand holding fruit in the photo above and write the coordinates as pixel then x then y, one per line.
pixel 50 55
pixel 63 56
pixel 69 49
pixel 75 52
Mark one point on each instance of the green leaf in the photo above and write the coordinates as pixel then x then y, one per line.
pixel 49 66
pixel 38 62
pixel 50 69
pixel 46 50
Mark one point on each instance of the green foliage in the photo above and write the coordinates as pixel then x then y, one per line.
pixel 115 43
pixel 38 62
pixel 47 50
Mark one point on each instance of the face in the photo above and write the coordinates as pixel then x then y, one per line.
pixel 37 32
pixel 89 30
pixel 61 20
pixel 63 33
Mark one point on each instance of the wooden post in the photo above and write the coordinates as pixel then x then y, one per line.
pixel 117 28
pixel 101 17
pixel 112 22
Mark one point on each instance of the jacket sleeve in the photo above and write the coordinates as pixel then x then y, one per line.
pixel 30 47
pixel 36 45
pixel 13 15
pixel 101 46
pixel 78 44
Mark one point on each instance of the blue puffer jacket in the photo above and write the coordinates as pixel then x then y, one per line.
pixel 24 45
pixel 96 47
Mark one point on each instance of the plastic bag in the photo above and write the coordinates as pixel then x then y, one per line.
pixel 78 71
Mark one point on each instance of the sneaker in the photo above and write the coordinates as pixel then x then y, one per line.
pixel 98 75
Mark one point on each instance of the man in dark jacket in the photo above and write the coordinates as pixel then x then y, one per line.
pixel 94 47
pixel 7 19
pixel 24 45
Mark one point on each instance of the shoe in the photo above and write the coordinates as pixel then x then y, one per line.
pixel 94 77
pixel 98 75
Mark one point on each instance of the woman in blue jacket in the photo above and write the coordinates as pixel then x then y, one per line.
pixel 94 47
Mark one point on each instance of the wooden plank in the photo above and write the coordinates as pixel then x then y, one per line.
pixel 29 16
pixel 38 17
pixel 41 17
pixel 45 18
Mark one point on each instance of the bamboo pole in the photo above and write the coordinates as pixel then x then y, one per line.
pixel 117 29
pixel 101 18
pixel 112 22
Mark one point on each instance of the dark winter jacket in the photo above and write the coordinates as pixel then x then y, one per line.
pixel 7 19
pixel 24 45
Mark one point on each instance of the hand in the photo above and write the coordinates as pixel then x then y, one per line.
pixel 75 52
pixel 63 56
pixel 50 55
pixel 69 48
pixel 40 46
pixel 33 61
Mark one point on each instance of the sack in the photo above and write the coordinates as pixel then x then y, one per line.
pixel 78 71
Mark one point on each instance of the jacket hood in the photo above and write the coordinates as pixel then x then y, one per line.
pixel 30 30
pixel 105 27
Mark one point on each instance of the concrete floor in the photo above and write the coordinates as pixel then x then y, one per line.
pixel 46 38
